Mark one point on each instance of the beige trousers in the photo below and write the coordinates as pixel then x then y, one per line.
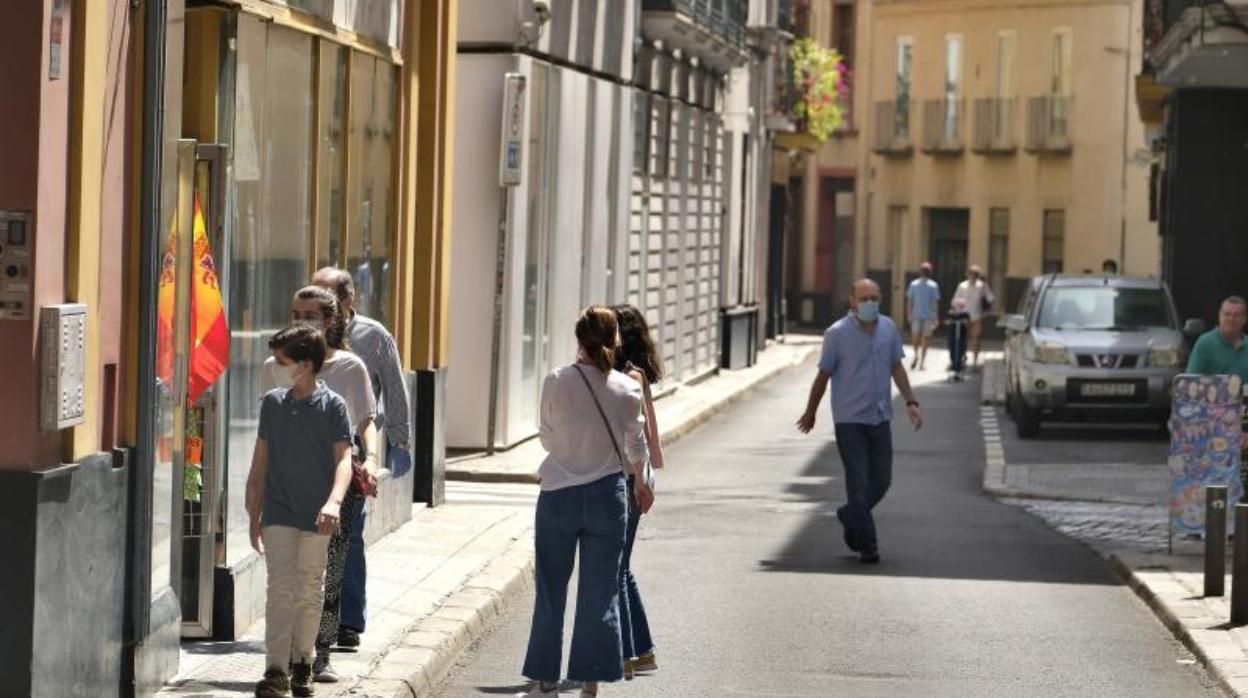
pixel 296 572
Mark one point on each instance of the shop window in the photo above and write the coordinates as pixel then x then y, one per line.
pixel 272 228
pixel 331 123
pixel 370 184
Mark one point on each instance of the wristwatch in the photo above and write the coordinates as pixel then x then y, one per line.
pixel 912 403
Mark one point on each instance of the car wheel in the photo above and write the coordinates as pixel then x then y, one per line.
pixel 1026 419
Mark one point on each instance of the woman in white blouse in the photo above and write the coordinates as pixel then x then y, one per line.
pixel 345 374
pixel 593 429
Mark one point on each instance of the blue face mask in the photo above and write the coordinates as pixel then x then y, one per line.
pixel 868 311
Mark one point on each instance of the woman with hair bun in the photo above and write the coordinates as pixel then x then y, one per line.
pixel 593 428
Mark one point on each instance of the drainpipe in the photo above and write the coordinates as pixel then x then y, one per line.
pixel 1126 135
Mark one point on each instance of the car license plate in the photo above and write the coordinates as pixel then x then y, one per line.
pixel 1107 390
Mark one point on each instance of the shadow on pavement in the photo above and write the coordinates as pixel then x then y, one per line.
pixel 935 521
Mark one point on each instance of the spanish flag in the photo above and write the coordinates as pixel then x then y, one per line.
pixel 210 335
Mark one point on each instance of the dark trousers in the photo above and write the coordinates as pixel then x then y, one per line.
pixel 634 627
pixel 592 517
pixel 354 606
pixel 867 454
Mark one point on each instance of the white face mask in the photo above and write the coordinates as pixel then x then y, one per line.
pixel 284 376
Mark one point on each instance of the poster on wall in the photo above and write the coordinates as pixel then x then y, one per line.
pixel 1205 441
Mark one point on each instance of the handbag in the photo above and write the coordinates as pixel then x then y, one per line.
pixel 648 471
pixel 360 484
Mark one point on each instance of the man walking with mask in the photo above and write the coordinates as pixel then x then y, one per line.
pixel 862 354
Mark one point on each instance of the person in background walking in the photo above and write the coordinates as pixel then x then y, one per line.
pixel 343 373
pixel 300 472
pixel 1109 267
pixel 861 352
pixel 593 429
pixel 372 342
pixel 638 359
pixel 978 299
pixel 923 309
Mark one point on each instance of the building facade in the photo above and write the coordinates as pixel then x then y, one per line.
pixel 987 133
pixel 1193 94
pixel 1002 135
pixel 296 130
pixel 635 155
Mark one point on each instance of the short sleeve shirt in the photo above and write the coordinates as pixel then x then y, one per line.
pixel 300 436
pixel 1213 355
pixel 861 365
pixel 923 295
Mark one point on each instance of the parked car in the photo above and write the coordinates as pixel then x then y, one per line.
pixel 1092 348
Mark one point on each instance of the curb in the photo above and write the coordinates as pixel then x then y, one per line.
pixel 422 658
pixel 1199 649
pixel 699 417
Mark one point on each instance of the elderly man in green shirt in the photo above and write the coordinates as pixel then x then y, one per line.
pixel 1223 350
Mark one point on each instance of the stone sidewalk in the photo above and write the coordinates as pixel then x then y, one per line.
pixel 436 585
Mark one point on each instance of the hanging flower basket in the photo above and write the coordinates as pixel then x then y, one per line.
pixel 821 83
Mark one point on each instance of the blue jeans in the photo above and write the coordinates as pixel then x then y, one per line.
pixel 634 628
pixel 354 604
pixel 592 517
pixel 867 454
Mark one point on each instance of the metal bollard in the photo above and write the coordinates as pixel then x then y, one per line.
pixel 1215 540
pixel 1239 568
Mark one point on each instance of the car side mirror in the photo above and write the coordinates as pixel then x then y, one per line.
pixel 1015 323
pixel 1193 327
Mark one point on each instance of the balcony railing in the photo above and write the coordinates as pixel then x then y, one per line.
pixel 994 127
pixel 942 126
pixel 892 129
pixel 1049 124
pixel 713 30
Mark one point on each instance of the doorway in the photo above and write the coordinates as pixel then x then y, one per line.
pixel 948 231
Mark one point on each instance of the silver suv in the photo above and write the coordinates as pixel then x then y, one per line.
pixel 1092 348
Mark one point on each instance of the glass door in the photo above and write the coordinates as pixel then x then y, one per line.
pixel 203 546
pixel 190 414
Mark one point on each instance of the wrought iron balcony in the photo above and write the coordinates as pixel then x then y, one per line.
pixel 891 135
pixel 994 127
pixel 942 126
pixel 711 30
pixel 1049 125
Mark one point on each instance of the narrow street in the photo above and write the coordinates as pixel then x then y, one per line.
pixel 751 591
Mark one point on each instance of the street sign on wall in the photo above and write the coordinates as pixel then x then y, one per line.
pixel 511 143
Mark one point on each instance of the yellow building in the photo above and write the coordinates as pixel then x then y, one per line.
pixel 985 132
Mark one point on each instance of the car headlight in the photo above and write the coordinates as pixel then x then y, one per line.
pixel 1164 357
pixel 1047 353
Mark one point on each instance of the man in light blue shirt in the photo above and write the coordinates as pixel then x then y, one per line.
pixel 922 307
pixel 862 353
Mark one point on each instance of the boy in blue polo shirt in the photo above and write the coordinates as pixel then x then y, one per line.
pixel 300 472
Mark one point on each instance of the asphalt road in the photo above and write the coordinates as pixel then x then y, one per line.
pixel 751 592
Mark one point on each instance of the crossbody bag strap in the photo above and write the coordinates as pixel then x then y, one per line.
pixel 605 422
